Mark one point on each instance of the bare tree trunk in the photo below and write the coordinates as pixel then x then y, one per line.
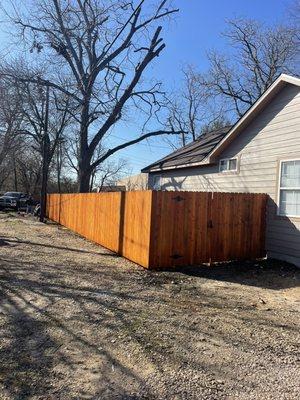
pixel 84 165
pixel 15 176
pixel 84 178
pixel 84 169
pixel 59 165
pixel 45 170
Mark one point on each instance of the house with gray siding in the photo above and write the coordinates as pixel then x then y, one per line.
pixel 259 154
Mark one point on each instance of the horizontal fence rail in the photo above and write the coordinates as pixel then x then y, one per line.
pixel 163 229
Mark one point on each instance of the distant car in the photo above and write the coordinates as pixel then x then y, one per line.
pixel 13 200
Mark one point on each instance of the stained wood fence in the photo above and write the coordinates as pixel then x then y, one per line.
pixel 164 229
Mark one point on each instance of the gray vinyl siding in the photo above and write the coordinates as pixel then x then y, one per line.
pixel 272 136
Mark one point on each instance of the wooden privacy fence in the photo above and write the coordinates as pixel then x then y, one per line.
pixel 164 229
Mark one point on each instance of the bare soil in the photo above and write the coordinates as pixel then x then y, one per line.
pixel 78 322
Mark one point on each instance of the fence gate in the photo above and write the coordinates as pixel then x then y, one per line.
pixel 192 228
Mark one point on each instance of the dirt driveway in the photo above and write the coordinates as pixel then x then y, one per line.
pixel 77 322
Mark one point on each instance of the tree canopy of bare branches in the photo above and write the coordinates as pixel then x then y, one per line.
pixel 10 121
pixel 294 12
pixel 99 52
pixel 22 118
pixel 191 109
pixel 32 100
pixel 259 55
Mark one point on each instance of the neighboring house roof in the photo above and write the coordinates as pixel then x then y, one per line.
pixel 205 150
pixel 192 153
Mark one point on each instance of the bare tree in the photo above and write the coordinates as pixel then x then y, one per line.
pixel 260 55
pixel 108 174
pixel 31 102
pixel 21 170
pixel 99 51
pixel 10 121
pixel 190 109
pixel 29 171
pixel 59 163
pixel 218 123
pixel 5 172
pixel 294 12
pixel 32 107
pixel 186 107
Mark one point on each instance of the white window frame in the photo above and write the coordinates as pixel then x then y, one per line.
pixel 154 179
pixel 284 188
pixel 227 160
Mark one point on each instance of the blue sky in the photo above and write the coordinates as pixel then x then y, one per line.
pixel 197 29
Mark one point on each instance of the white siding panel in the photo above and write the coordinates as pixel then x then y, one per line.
pixel 273 135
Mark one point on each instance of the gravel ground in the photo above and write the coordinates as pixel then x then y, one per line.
pixel 78 322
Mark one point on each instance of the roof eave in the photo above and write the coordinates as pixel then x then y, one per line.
pixel 180 166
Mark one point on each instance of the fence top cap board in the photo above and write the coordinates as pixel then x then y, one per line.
pixel 99 193
pixel 155 191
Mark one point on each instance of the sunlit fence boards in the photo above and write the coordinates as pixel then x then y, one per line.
pixel 165 229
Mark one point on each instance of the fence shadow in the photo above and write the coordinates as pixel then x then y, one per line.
pixel 9 242
pixel 268 273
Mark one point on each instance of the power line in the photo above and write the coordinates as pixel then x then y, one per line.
pixel 143 144
pixel 142 161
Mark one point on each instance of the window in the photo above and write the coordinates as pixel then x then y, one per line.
pixel 289 188
pixel 156 182
pixel 228 164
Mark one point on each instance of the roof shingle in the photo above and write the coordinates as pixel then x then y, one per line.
pixel 194 152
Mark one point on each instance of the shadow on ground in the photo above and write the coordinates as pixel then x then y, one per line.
pixel 43 318
pixel 269 274
pixel 7 241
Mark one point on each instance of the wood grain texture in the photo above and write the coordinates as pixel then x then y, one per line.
pixel 167 229
pixel 118 221
pixel 190 228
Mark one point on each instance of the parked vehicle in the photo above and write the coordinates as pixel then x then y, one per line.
pixel 13 200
